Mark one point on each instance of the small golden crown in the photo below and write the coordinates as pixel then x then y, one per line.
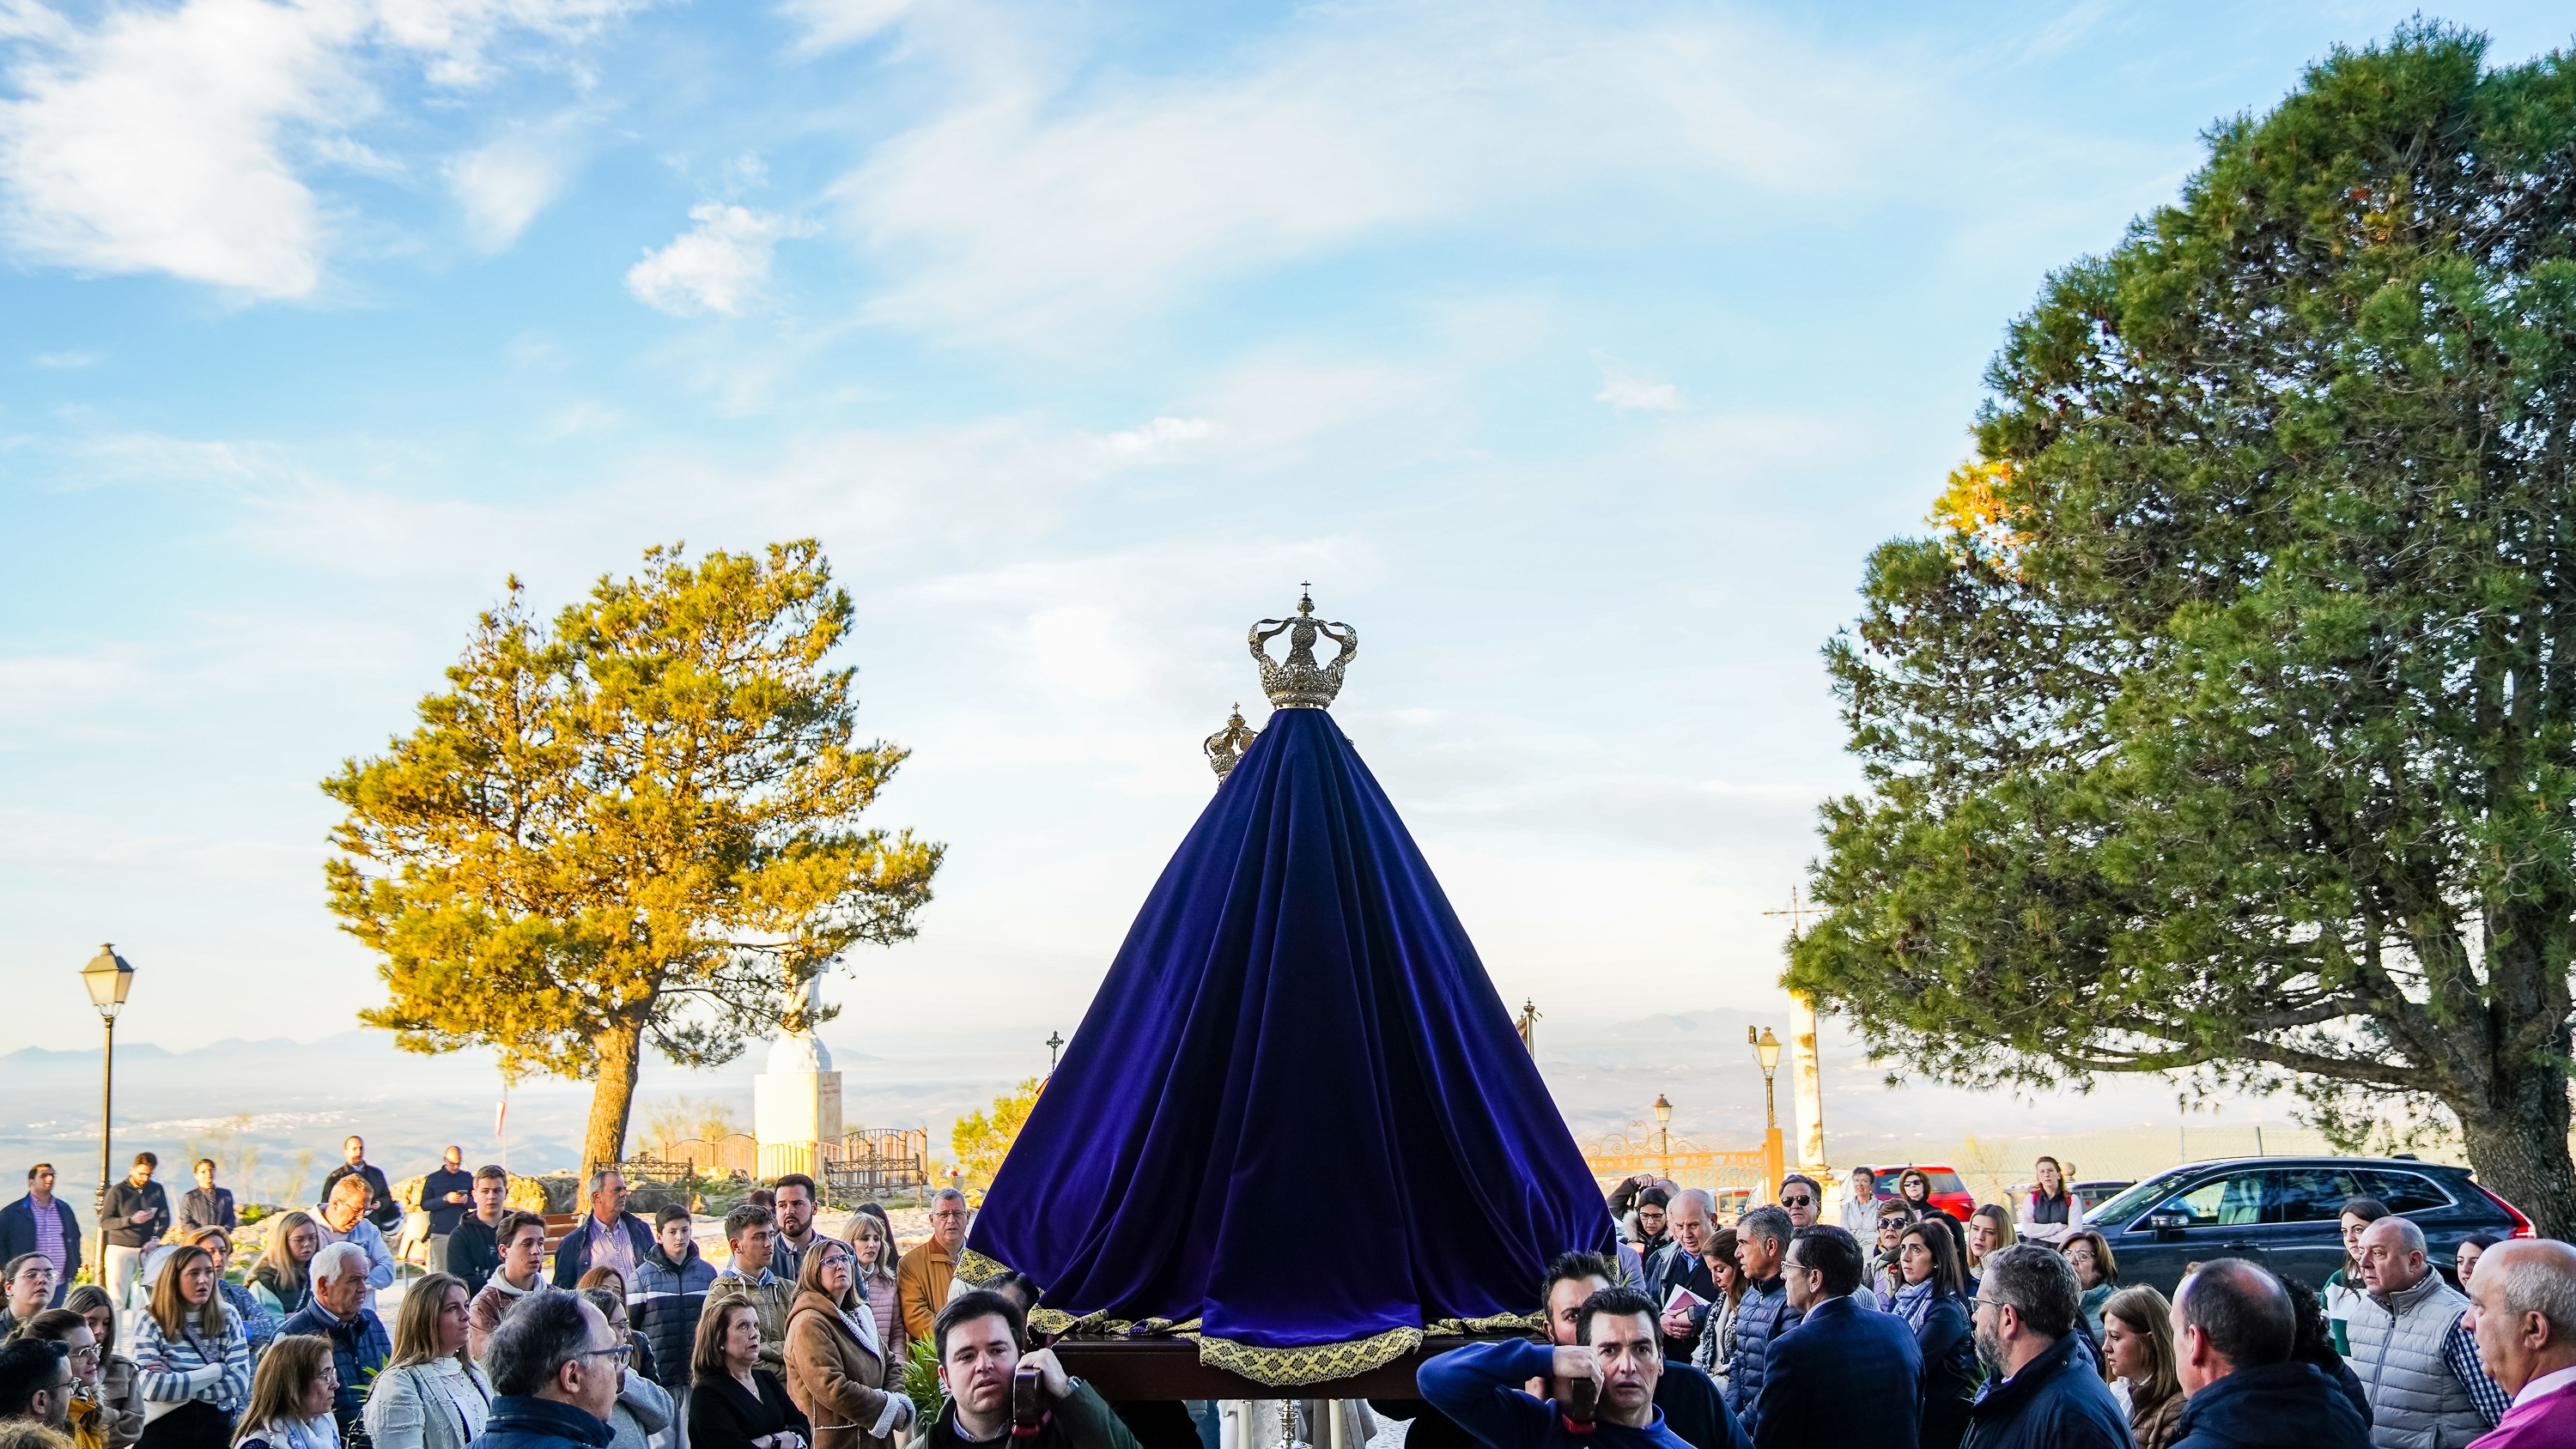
pixel 1225 748
pixel 1301 683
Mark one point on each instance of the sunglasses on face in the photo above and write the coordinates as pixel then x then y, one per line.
pixel 1798 1200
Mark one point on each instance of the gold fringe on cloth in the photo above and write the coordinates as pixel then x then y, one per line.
pixel 1281 1368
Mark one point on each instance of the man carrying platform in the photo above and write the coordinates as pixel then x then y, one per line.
pixel 978 1340
pixel 1617 1346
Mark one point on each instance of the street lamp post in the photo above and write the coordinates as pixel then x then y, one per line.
pixel 1766 1050
pixel 1664 1131
pixel 107 978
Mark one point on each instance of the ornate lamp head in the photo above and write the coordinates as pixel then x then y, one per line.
pixel 1301 683
pixel 1225 748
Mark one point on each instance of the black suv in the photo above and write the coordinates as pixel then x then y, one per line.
pixel 2285 1213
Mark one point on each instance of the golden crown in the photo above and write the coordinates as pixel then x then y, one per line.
pixel 1225 748
pixel 1301 683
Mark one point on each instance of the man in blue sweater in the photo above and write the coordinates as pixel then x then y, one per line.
pixel 1620 1349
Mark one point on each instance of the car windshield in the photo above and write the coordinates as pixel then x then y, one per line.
pixel 2137 1199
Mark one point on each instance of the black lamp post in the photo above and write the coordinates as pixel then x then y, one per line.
pixel 1664 1133
pixel 108 978
pixel 1766 1050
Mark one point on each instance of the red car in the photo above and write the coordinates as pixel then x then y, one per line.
pixel 1949 1194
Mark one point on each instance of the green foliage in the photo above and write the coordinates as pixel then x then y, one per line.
pixel 921 1384
pixel 2229 723
pixel 674 1120
pixel 981 1141
pixel 638 825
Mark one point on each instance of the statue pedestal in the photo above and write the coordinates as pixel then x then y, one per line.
pixel 795 1104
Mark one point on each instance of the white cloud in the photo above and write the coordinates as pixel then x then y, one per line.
pixel 830 24
pixel 1624 390
pixel 715 267
pixel 1359 125
pixel 1159 436
pixel 67 359
pixel 502 188
pixel 158 140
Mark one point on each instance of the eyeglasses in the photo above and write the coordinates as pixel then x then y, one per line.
pixel 951 1215
pixel 621 1351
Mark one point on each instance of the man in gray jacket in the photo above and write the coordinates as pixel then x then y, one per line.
pixel 2418 1363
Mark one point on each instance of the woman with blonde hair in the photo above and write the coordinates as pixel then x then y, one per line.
pixel 2138 1361
pixel 430 1395
pixel 283 1278
pixel 840 1371
pixel 191 1358
pixel 116 1391
pixel 290 1401
pixel 872 1266
pixel 1990 1231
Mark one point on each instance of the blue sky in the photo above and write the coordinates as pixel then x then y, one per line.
pixel 1578 354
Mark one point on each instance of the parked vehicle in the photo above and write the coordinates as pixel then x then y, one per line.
pixel 2090 1195
pixel 2285 1213
pixel 1949 1194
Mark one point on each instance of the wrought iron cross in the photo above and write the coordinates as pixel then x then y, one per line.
pixel 1054 1043
pixel 1798 912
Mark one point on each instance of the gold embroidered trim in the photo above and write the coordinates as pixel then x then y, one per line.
pixel 1499 1323
pixel 1313 1364
pixel 977 1269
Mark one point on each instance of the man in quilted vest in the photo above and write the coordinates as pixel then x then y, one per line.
pixel 1761 1245
pixel 2417 1361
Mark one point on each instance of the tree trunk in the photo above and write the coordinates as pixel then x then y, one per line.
pixel 2518 1144
pixel 612 1101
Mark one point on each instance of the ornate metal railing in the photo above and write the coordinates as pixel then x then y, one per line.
pixel 874 1162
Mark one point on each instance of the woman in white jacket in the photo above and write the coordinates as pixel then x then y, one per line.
pixel 430 1395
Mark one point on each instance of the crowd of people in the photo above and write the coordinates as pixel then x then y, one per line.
pixel 1899 1326
pixel 615 1334
pixel 2012 1330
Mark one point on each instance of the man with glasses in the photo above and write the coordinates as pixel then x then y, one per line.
pixel 1803 1199
pixel 1761 1245
pixel 556 1367
pixel 1844 1372
pixel 337 1311
pixel 921 1279
pixel 2042 1390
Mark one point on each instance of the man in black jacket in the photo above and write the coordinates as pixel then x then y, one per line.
pixel 2043 1391
pixel 382 1210
pixel 23 1229
pixel 474 1248
pixel 2234 1331
pixel 1682 1267
pixel 134 1213
pixel 447 1195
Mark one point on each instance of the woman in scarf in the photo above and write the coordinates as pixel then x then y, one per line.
pixel 1934 1303
pixel 117 1394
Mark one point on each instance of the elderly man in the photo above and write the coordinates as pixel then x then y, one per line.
pixel 42 1223
pixel 1804 1200
pixel 337 1310
pixel 1617 1346
pixel 2234 1331
pixel 2417 1361
pixel 921 1279
pixel 1681 1281
pixel 380 1208
pixel 1845 1374
pixel 344 1220
pixel 2042 1390
pixel 556 1367
pixel 2522 1311
pixel 1761 1246
pixel 608 1236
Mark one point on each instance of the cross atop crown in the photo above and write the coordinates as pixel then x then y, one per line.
pixel 1300 682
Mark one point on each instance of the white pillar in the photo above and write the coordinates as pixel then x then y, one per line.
pixel 1808 1085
